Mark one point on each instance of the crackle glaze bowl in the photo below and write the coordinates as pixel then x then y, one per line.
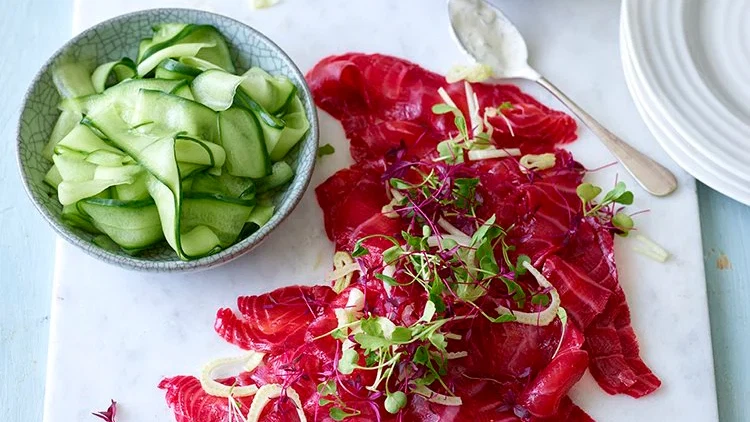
pixel 117 38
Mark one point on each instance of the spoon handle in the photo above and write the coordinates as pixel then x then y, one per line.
pixel 654 177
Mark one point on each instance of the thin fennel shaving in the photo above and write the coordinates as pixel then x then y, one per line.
pixel 544 317
pixel 212 387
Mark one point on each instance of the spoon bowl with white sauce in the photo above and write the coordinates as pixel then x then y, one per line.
pixel 486 34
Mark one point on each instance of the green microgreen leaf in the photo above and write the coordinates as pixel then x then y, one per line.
pixel 482 231
pixel 386 279
pixel 450 152
pixel 421 356
pixel 426 231
pixel 623 222
pixel 448 243
pixel 615 193
pixel 588 192
pixel 485 255
pixel 626 198
pixel 540 299
pixel 326 149
pixel 506 105
pixel 503 318
pixel 438 340
pixel 393 253
pixel 443 108
pixel 399 184
pixel 395 401
pixel 339 414
pixel 401 335
pixel 515 289
pixel 412 241
pixel 437 299
pixel 520 268
pixel 429 311
pixel 359 250
pixel 470 292
pixel 327 388
pixel 426 380
pixel 371 342
pixel 371 326
pixel 371 359
pixel 338 334
pixel 460 122
pixel 348 361
pixel 563 315
pixel 323 402
pixel 464 192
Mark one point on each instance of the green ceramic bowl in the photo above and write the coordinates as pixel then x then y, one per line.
pixel 117 38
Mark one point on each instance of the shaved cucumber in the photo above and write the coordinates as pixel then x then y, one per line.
pixel 73 167
pixel 268 119
pixel 283 141
pixel 273 93
pixel 216 88
pixel 178 158
pixel 118 70
pixel 261 214
pixel 71 192
pixel 143 46
pixel 170 31
pixel 74 218
pixel 172 35
pixel 184 91
pixel 67 121
pixel 130 224
pixel 175 115
pixel 199 63
pixel 72 80
pixel 82 139
pixel 281 174
pixel 195 151
pixel 172 69
pixel 107 158
pixel 225 184
pixel 135 191
pixel 121 94
pixel 53 177
pixel 178 50
pixel 242 138
pixel 224 217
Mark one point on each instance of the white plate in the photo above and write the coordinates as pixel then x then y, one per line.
pixel 713 175
pixel 687 57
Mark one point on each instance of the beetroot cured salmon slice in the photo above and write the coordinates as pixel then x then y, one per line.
pixel 382 101
pixel 271 321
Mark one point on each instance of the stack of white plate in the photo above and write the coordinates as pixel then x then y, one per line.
pixel 687 65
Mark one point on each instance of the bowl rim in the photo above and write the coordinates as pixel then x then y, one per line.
pixel 225 255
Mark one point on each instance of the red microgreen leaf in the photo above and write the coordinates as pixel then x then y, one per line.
pixel 109 414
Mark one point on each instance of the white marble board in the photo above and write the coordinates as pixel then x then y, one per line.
pixel 116 333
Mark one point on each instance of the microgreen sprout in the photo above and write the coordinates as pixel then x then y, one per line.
pixel 327 394
pixel 446 251
pixel 605 209
pixel 326 149
pixel 476 137
pixel 109 414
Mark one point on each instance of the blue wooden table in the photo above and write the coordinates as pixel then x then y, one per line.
pixel 31 30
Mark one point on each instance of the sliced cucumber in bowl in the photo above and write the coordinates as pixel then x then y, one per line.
pixel 174 141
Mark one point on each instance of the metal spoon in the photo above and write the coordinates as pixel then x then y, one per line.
pixel 489 37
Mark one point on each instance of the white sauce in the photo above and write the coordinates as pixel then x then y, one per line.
pixel 490 37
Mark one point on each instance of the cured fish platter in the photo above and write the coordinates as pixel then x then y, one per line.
pixel 359 307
